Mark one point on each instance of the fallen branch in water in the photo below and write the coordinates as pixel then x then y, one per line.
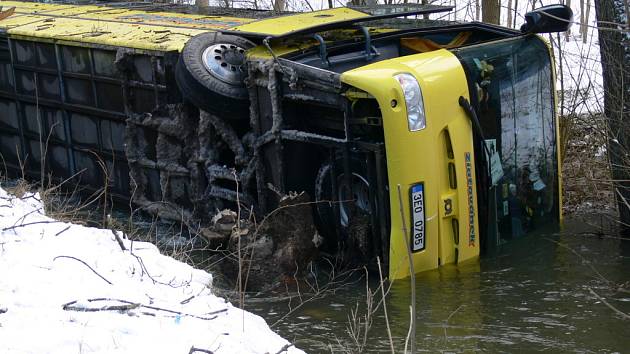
pixel 382 286
pixel 584 260
pixel 412 276
pixel 448 319
pixel 87 265
pixel 624 315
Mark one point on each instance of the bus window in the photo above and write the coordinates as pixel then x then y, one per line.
pixel 512 89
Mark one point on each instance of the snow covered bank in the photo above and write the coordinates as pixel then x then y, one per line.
pixel 66 288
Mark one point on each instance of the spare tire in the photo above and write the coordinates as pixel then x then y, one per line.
pixel 211 71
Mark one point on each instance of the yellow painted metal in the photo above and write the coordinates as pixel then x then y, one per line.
pixel 557 126
pixel 160 31
pixel 421 157
pixel 280 49
pixel 286 24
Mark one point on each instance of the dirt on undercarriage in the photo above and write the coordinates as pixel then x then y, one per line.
pixel 271 253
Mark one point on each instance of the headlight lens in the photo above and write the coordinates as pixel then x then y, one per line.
pixel 416 118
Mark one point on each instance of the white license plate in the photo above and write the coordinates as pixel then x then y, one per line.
pixel 417 218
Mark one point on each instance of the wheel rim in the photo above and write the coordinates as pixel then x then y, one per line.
pixel 225 62
pixel 359 192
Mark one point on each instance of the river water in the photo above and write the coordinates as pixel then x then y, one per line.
pixel 534 294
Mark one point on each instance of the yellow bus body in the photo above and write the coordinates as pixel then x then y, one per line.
pixel 421 157
pixel 440 157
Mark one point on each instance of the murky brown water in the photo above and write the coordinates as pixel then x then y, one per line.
pixel 533 295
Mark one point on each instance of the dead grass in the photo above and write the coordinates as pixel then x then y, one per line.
pixel 585 169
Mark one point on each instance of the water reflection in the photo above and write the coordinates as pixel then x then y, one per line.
pixel 533 295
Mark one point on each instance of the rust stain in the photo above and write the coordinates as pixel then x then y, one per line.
pixel 7 13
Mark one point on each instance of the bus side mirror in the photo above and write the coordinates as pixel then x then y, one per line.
pixel 547 19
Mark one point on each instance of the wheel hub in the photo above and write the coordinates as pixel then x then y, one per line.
pixel 225 62
pixel 358 193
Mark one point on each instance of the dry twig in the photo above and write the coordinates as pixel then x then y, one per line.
pixel 623 315
pixel 87 265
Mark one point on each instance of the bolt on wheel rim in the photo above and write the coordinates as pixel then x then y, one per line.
pixel 225 62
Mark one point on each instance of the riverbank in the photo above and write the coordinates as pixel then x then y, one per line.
pixel 67 288
pixel 586 175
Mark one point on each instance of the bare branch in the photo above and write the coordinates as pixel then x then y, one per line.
pixel 87 265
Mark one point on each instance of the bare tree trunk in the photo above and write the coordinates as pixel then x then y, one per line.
pixel 586 21
pixel 477 10
pixel 583 18
pixel 509 13
pixel 515 12
pixel 278 5
pixel 567 34
pixel 491 11
pixel 425 2
pixel 615 56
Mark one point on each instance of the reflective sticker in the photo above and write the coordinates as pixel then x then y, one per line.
pixel 471 204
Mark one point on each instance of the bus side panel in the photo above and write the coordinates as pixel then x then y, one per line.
pixel 72 111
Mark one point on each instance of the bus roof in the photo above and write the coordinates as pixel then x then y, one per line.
pixel 133 27
pixel 114 26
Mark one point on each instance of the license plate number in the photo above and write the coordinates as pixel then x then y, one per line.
pixel 417 218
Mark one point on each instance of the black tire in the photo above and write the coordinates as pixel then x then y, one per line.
pixel 351 233
pixel 327 219
pixel 216 87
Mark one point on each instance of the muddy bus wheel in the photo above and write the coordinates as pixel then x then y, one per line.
pixel 353 202
pixel 211 71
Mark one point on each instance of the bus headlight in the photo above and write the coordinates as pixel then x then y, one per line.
pixel 416 118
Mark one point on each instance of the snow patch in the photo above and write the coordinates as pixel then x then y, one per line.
pixel 68 288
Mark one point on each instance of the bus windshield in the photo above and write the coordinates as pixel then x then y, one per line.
pixel 512 91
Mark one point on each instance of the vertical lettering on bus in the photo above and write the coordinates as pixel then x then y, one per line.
pixel 470 199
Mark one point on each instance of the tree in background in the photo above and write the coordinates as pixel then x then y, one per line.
pixel 491 11
pixel 613 26
pixel 585 12
pixel 279 5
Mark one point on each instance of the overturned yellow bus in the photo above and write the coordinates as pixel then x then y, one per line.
pixel 431 138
